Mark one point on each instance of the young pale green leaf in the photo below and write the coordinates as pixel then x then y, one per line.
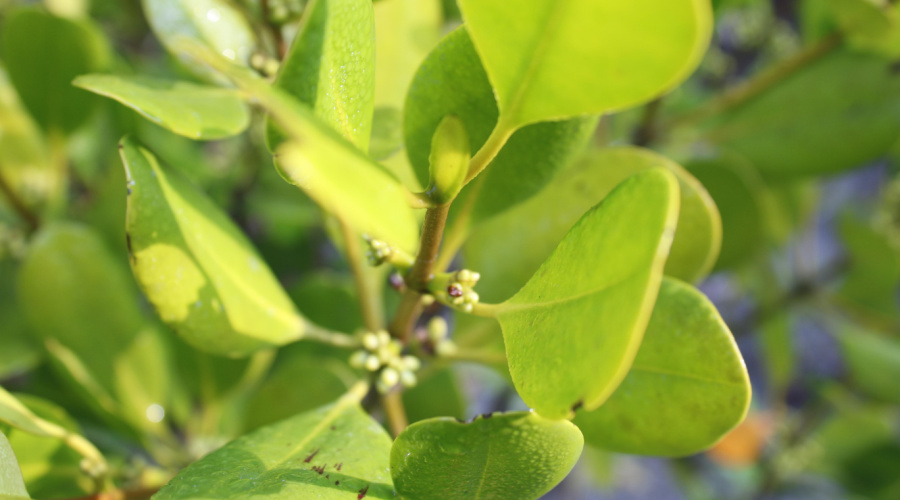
pixel 43 53
pixel 449 160
pixel 508 256
pixel 12 487
pixel 872 25
pixel 336 452
pixel 452 81
pixel 573 330
pixel 873 361
pixel 194 111
pixel 687 388
pixel 331 68
pixel 512 455
pixel 551 59
pixel 218 24
pixel 198 270
pixel 832 115
pixel 330 169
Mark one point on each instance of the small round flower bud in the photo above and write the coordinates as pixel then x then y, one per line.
pixel 408 379
pixel 427 300
pixel 372 363
pixel 384 338
pixel 446 348
pixel 358 359
pixel 370 341
pixel 411 363
pixel 389 377
pixel 437 329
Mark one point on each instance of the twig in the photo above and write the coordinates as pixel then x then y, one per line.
pixel 368 304
pixel 396 413
pixel 31 219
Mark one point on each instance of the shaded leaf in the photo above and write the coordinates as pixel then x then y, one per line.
pixel 436 395
pixel 334 452
pixel 195 111
pixel 198 270
pixel 451 81
pixel 873 361
pixel 43 53
pixel 549 60
pixel 686 389
pixel 573 330
pixel 331 68
pixel 832 115
pixel 512 455
pixel 873 279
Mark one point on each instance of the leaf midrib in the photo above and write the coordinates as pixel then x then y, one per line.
pixel 689 376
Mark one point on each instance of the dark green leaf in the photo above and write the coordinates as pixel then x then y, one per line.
pixel 686 389
pixel 836 113
pixel 198 270
pixel 43 53
pixel 452 81
pixel 335 452
pixel 436 395
pixel 195 111
pixel 549 60
pixel 331 68
pixel 873 361
pixel 874 275
pixel 573 330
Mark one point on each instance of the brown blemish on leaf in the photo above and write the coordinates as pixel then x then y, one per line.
pixel 577 406
pixel 337 483
pixel 310 457
pixel 338 466
pixel 362 493
pixel 319 468
pixel 128 242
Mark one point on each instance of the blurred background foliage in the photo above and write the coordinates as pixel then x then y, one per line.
pixel 792 123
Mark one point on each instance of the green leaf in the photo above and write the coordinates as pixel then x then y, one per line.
pixel 686 389
pixel 873 361
pixel 872 25
pixel 436 395
pixel 512 455
pixel 451 81
pixel 874 276
pixel 217 24
pixel 21 351
pixel 124 373
pixel 12 486
pixel 506 256
pixel 195 111
pixel 43 53
pixel 198 270
pixel 332 171
pixel 573 330
pixel 14 413
pixel 335 452
pixel 331 68
pixel 549 60
pixel 836 113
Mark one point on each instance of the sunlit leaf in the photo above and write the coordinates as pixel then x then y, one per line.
pixel 507 256
pixel 12 487
pixel 331 67
pixel 43 53
pixel 511 455
pixel 573 330
pixel 335 452
pixel 198 270
pixel 549 59
pixel 686 389
pixel 452 81
pixel 218 24
pixel 195 111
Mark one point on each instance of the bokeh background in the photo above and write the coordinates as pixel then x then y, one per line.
pixel 807 280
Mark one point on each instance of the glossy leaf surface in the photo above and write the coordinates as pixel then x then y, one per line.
pixel 194 111
pixel 335 452
pixel 549 59
pixel 333 172
pixel 829 116
pixel 573 330
pixel 513 455
pixel 12 486
pixel 452 81
pixel 43 53
pixel 686 389
pixel 331 67
pixel 217 24
pixel 507 256
pixel 198 270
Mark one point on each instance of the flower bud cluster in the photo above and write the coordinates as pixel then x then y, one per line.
pixel 379 252
pixel 437 334
pixel 461 289
pixel 382 355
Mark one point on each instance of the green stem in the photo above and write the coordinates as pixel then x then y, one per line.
pixel 30 218
pixel 368 302
pixel 459 231
pixel 395 412
pixel 765 80
pixel 491 148
pixel 325 336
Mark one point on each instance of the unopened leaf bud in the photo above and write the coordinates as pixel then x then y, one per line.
pixel 449 160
